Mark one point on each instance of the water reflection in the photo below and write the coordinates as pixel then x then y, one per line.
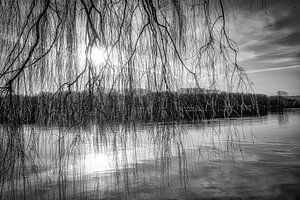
pixel 225 158
pixel 283 119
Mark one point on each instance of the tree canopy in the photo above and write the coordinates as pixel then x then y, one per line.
pixel 157 45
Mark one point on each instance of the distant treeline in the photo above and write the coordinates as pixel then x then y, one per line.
pixel 80 107
pixel 279 102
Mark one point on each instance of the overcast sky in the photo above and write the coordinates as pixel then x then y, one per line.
pixel 269 44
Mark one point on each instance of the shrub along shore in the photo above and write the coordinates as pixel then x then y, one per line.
pixel 79 107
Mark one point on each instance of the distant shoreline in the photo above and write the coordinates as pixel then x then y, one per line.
pixel 70 108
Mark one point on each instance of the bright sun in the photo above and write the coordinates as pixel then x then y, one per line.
pixel 97 162
pixel 98 56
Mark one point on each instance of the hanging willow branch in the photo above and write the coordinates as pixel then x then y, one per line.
pixel 108 47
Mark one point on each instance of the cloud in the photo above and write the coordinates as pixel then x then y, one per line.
pixel 268 37
pixel 272 69
pixel 292 39
pixel 267 41
pixel 288 18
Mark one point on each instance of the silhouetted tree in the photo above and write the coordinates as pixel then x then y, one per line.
pixel 116 46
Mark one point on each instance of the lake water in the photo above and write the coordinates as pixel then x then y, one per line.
pixel 244 158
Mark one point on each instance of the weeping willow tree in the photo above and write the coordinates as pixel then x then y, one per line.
pixel 112 51
pixel 116 60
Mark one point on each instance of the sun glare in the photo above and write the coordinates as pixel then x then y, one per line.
pixel 98 56
pixel 97 162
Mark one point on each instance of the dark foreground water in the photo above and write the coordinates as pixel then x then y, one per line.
pixel 249 158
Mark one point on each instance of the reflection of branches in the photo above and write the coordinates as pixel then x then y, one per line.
pixel 18 156
pixel 155 154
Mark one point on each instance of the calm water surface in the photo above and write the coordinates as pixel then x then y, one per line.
pixel 249 158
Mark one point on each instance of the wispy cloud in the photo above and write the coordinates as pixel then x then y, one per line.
pixel 272 69
pixel 269 42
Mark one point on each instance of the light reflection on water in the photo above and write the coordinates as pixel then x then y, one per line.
pixel 250 158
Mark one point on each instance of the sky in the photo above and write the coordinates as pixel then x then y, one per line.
pixel 268 40
pixel 269 44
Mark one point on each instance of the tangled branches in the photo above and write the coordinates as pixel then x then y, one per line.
pixel 107 46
